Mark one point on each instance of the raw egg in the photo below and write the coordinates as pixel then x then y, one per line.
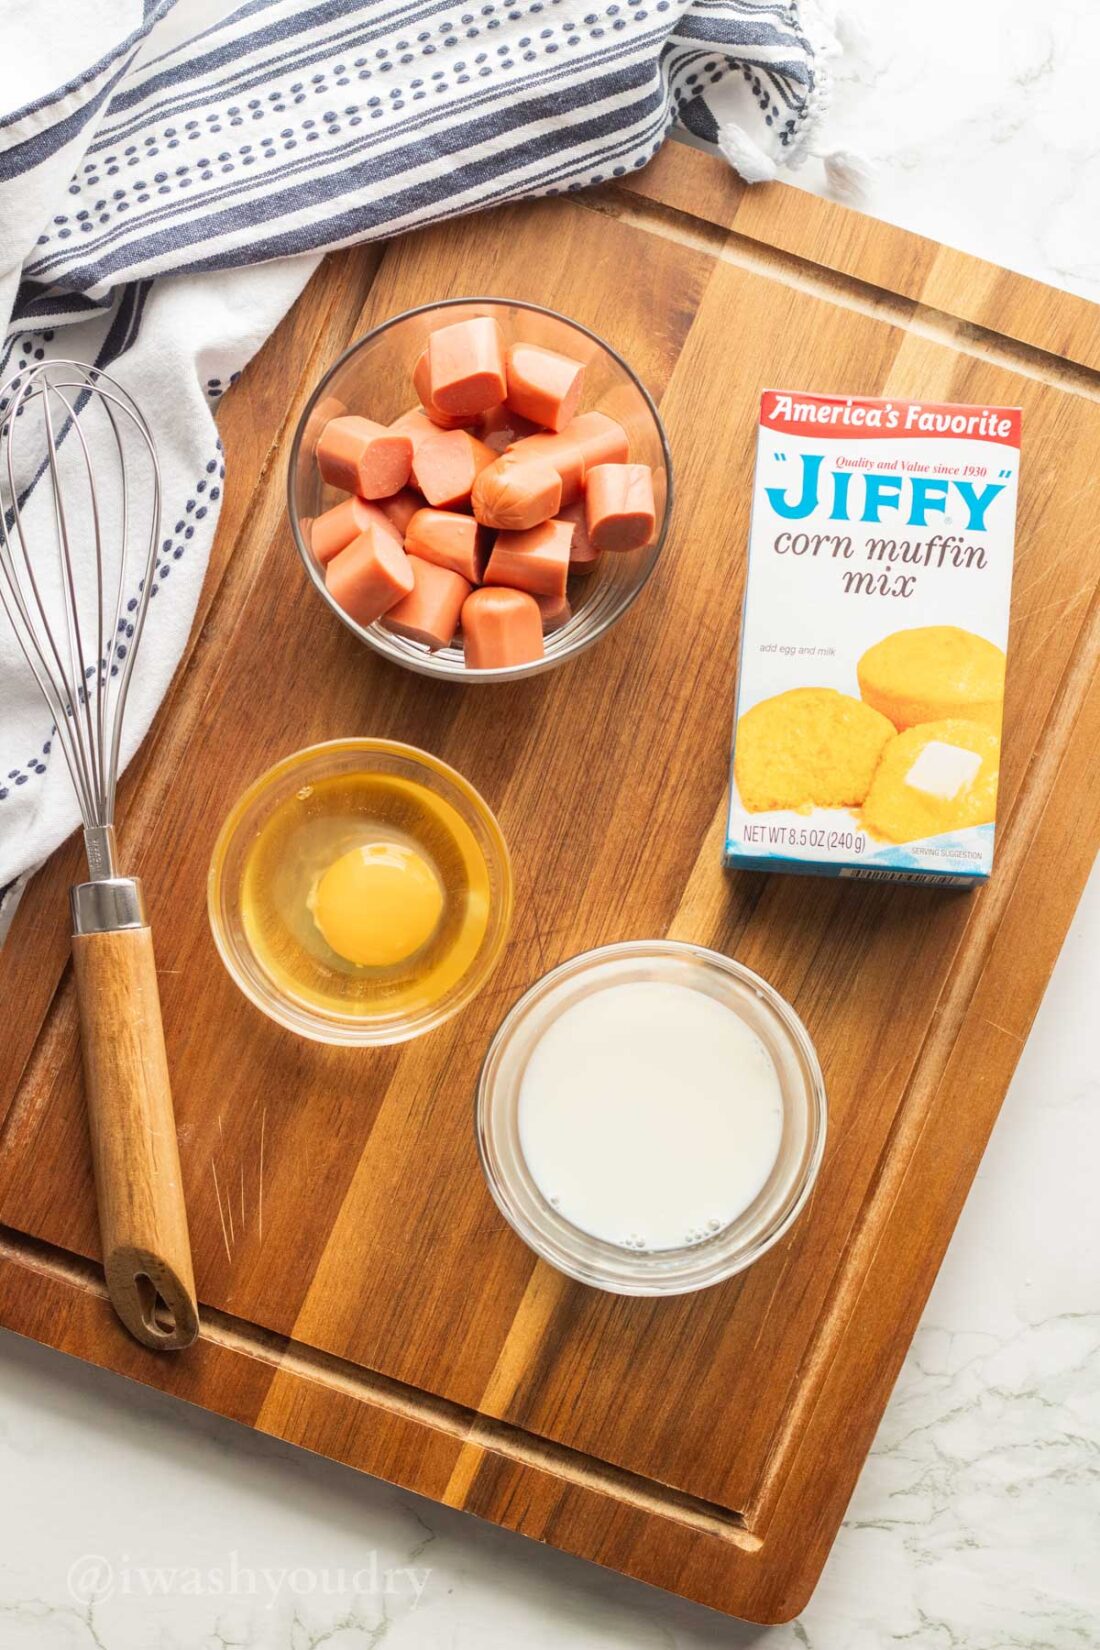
pixel 365 894
pixel 377 904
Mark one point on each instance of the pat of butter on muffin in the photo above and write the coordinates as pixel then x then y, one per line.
pixel 943 770
pixel 932 779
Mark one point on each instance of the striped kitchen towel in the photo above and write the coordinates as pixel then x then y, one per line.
pixel 171 172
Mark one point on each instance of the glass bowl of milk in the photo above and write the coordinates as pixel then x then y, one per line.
pixel 651 1117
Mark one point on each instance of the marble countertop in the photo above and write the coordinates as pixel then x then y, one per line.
pixel 131 1522
pixel 979 118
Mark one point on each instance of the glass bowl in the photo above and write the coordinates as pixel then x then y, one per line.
pixel 475 839
pixel 374 377
pixel 606 1265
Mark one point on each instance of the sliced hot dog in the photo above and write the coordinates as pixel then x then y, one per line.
pixel 514 494
pixel 364 457
pixel 466 373
pixel 435 415
pixel 543 385
pixel 429 613
pixel 401 508
pixel 446 465
pixel 561 452
pixel 583 554
pixel 619 507
pixel 600 439
pixel 591 439
pixel 416 425
pixel 500 628
pixel 334 530
pixel 536 560
pixel 369 575
pixel 450 540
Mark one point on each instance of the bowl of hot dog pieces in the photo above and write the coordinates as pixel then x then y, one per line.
pixel 480 488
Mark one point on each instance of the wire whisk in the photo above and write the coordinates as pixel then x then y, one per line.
pixel 74 432
pixel 80 500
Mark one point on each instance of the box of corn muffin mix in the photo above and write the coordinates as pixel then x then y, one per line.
pixel 867 730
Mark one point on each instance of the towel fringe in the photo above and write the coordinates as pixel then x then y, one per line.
pixel 850 175
pixel 745 156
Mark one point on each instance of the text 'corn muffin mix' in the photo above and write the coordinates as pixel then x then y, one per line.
pixel 867 732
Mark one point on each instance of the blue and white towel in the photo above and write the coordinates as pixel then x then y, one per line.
pixel 171 172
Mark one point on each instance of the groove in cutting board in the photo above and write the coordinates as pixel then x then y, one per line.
pixel 475 1433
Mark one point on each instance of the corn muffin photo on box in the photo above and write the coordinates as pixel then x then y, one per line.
pixel 867 731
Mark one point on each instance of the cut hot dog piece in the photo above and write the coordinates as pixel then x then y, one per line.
pixel 561 452
pixel 446 465
pixel 600 439
pixel 619 507
pixel 583 554
pixel 416 425
pixel 466 373
pixel 536 560
pixel 369 575
pixel 334 530
pixel 543 385
pixel 500 628
pixel 450 540
pixel 401 508
pixel 591 439
pixel 363 457
pixel 435 415
pixel 554 612
pixel 429 614
pixel 513 494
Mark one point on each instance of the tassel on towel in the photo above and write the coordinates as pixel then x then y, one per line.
pixel 745 156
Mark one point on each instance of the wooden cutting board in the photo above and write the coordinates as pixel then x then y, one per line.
pixel 361 1294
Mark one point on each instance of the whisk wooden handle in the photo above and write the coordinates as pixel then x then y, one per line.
pixel 142 1218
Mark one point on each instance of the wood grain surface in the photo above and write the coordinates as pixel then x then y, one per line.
pixel 360 1294
pixel 143 1237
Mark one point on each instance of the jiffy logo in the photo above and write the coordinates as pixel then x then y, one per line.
pixel 864 496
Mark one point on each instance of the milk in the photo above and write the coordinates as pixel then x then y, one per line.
pixel 650 1115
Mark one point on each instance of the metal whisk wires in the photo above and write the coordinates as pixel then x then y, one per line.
pixel 79 528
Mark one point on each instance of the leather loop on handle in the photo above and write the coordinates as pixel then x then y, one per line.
pixel 142 1218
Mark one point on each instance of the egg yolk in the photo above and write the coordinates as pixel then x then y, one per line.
pixel 377 904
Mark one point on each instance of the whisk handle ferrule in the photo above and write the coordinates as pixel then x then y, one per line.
pixel 112 902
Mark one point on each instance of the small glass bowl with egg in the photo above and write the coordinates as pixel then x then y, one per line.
pixel 651 1117
pixel 360 892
